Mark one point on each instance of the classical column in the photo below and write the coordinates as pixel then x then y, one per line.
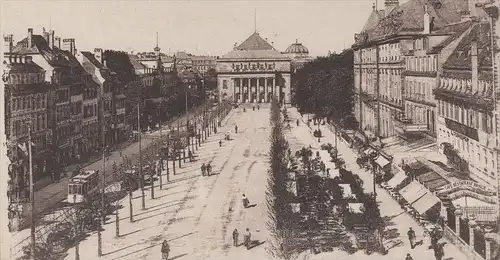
pixel 472 226
pixel 488 238
pixel 458 214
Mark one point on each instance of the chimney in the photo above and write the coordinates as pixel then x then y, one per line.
pixel 69 45
pixel 57 42
pixel 474 65
pixel 45 34
pixel 51 39
pixel 8 42
pixel 30 37
pixel 390 5
pixel 98 55
pixel 427 20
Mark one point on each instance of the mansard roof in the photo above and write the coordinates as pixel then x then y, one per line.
pixel 461 58
pixel 409 17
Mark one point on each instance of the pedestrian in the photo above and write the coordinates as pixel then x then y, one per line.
pixel 235 237
pixel 209 169
pixel 165 249
pixel 236 129
pixel 297 122
pixel 220 143
pixel 245 201
pixel 411 237
pixel 253 108
pixel 438 252
pixel 190 155
pixel 258 107
pixel 408 257
pixel 248 237
pixel 203 169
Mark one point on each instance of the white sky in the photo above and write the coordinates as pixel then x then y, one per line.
pixel 199 27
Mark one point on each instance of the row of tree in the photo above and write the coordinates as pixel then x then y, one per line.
pixel 325 87
pixel 280 224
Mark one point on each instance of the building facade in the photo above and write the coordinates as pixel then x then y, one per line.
pixel 466 104
pixel 387 52
pixel 253 72
pixel 204 63
pixel 27 98
pixel 69 83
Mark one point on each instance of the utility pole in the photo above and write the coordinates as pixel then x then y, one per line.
pixel 32 195
pixel 140 157
pixel 103 184
pixel 187 124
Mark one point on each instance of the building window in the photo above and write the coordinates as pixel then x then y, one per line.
pixel 224 84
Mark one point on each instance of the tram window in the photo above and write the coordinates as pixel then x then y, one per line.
pixel 71 189
pixel 79 189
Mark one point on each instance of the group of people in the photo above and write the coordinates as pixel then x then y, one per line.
pixel 247 238
pixel 436 246
pixel 206 170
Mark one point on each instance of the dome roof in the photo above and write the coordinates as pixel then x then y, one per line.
pixel 297 48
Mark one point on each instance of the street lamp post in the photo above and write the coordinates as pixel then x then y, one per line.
pixel 143 199
pixel 373 157
pixel 32 194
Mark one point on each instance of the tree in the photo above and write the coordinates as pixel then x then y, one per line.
pixel 119 62
pixel 325 87
pixel 281 221
pixel 373 219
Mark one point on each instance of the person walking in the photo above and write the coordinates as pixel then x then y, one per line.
pixel 438 251
pixel 245 201
pixel 408 257
pixel 411 237
pixel 235 129
pixel 165 249
pixel 235 237
pixel 248 237
pixel 258 107
pixel 203 169
pixel 220 143
pixel 209 169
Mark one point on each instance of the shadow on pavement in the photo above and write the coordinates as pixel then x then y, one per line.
pixel 177 256
pixel 255 243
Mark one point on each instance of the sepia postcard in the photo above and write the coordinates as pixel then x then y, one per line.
pixel 224 130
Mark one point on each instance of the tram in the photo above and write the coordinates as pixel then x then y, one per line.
pixel 81 186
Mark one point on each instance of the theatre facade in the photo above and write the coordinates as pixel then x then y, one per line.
pixel 253 72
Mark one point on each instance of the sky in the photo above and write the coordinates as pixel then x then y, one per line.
pixel 202 27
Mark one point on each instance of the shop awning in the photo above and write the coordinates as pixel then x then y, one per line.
pixel 425 203
pixel 382 162
pixel 432 180
pixel 397 179
pixel 413 192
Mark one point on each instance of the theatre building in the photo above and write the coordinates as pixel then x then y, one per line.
pixel 253 72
